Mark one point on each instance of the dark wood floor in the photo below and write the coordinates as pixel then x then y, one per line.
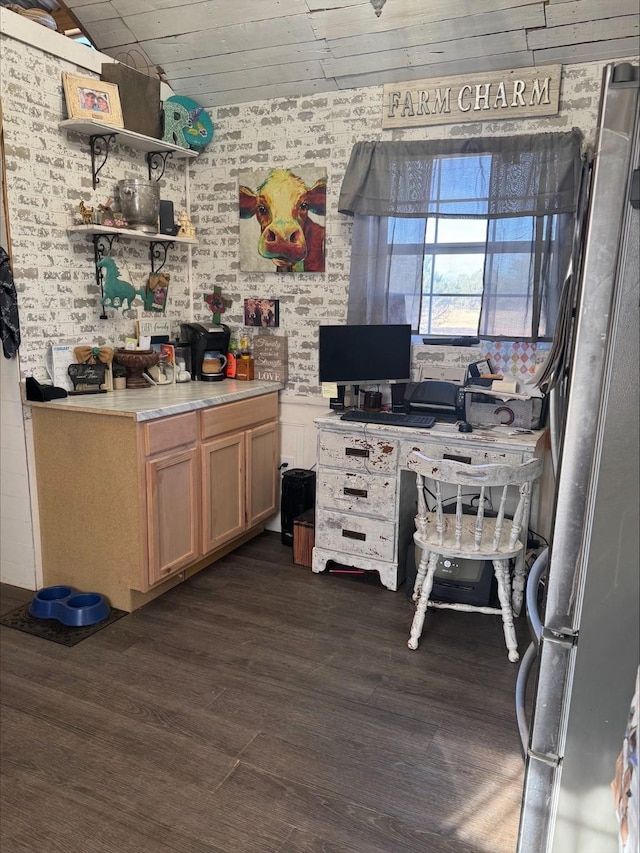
pixel 260 708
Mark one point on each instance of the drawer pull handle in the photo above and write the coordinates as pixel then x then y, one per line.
pixel 354 534
pixel 356 493
pixel 356 451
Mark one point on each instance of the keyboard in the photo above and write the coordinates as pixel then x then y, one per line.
pixel 390 419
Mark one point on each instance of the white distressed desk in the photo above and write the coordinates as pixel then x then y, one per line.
pixel 366 499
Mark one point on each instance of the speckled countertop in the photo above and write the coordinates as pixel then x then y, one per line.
pixel 161 401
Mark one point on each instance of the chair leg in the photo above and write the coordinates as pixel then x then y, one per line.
pixel 501 569
pixel 517 594
pixel 420 575
pixel 423 600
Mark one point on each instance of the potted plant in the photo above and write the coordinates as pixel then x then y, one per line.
pixel 119 377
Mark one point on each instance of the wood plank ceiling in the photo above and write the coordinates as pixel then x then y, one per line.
pixel 223 52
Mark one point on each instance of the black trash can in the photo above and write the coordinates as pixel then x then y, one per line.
pixel 298 495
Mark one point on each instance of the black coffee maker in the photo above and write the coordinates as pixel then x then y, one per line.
pixel 203 338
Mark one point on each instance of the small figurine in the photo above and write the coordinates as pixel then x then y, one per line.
pixel 111 217
pixel 106 208
pixel 186 227
pixel 86 213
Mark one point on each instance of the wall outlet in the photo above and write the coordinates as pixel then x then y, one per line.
pixel 286 463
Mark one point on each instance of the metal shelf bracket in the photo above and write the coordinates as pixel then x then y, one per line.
pixel 157 162
pixel 100 146
pixel 102 245
pixel 158 252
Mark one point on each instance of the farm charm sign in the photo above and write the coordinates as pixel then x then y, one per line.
pixel 522 93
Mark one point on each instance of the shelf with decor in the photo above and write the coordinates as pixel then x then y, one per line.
pixel 130 234
pixel 157 151
pixel 105 236
pixel 102 136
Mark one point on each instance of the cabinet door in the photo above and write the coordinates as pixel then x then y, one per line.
pixel 223 490
pixel 172 513
pixel 262 480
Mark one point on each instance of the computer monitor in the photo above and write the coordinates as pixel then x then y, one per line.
pixel 363 355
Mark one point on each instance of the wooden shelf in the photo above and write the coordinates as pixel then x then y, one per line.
pixel 90 127
pixel 131 234
pixel 101 136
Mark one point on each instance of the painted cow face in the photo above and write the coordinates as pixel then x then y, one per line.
pixel 282 204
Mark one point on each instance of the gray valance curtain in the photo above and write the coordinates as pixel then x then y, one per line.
pixel 525 187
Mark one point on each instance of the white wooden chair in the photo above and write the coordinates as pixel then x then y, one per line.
pixel 474 536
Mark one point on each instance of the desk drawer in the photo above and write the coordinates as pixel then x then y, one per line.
pixel 351 491
pixel 355 534
pixel 467 451
pixel 357 453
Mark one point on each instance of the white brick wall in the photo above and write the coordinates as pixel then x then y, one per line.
pixel 321 131
pixel 49 173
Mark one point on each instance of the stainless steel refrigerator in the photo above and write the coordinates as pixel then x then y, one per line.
pixel 587 657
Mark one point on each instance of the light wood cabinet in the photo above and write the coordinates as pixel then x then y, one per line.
pixel 130 509
pixel 261 449
pixel 172 513
pixel 223 490
pixel 170 499
pixel 239 472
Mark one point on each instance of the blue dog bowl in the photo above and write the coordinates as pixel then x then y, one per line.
pixel 67 605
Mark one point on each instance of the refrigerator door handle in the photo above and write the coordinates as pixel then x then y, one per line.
pixel 533 582
pixel 535 625
pixel 524 671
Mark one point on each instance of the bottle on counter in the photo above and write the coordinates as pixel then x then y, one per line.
pixel 245 364
pixel 232 360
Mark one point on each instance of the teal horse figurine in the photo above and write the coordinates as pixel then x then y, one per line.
pixel 116 290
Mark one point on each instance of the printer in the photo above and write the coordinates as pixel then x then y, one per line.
pixel 444 400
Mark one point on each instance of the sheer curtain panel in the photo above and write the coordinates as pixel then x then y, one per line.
pixel 523 187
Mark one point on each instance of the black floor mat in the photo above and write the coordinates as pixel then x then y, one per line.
pixel 52 629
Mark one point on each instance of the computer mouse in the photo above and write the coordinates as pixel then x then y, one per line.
pixel 463 426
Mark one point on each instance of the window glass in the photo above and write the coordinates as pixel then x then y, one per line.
pixel 457 254
pixel 461 230
pixel 453 259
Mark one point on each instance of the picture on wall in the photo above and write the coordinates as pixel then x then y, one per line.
pixel 92 99
pixel 263 313
pixel 282 219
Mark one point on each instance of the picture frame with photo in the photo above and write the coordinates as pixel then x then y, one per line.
pixel 156 292
pixel 88 98
pixel 262 313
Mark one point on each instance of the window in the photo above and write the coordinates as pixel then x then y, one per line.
pixel 471 240
pixel 453 254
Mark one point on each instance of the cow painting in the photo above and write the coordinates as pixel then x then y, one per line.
pixel 286 212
